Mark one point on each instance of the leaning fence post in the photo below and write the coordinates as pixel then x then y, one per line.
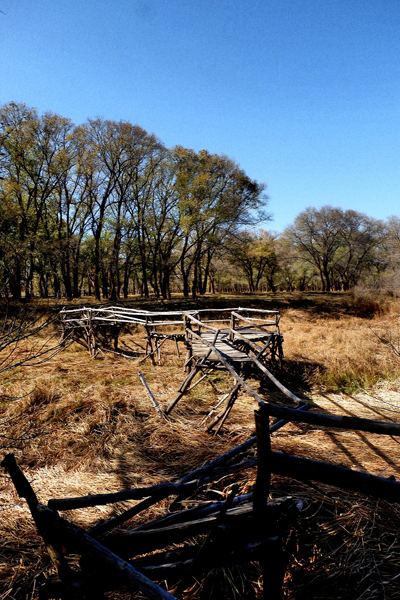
pixel 188 327
pixel 24 490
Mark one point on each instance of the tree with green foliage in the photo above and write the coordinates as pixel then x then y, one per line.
pixel 253 252
pixel 339 244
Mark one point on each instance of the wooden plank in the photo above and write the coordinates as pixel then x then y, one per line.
pixel 232 371
pixel 200 347
pixel 258 310
pixel 304 469
pixel 217 558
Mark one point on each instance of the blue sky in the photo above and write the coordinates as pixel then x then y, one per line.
pixel 303 94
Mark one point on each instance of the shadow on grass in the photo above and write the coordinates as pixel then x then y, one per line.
pixel 297 375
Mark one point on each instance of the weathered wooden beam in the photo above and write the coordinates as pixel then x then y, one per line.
pixel 189 378
pixel 141 541
pixel 149 392
pixel 58 532
pixel 304 469
pixel 204 509
pixel 225 415
pixel 215 560
pixel 197 476
pixel 229 367
pixel 238 524
pixel 252 322
pixel 228 403
pixel 261 489
pixel 24 490
pixel 122 496
pixel 182 389
pixel 259 350
pixel 201 471
pixel 110 567
pixel 157 492
pixel 200 558
pixel 127 515
pixel 262 484
pixel 339 422
pixel 278 384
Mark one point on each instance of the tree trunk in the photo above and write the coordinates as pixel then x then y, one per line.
pixel 125 286
pixel 66 275
pixel 56 284
pixel 96 277
pixel 76 291
pixel 15 279
pixel 104 281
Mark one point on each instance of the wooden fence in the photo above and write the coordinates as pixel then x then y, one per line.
pixel 243 528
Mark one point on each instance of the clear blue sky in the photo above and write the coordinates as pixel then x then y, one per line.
pixel 303 94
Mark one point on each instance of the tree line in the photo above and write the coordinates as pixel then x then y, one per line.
pixel 104 208
pixel 327 249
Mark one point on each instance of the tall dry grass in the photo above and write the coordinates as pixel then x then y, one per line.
pixel 342 351
pixel 87 426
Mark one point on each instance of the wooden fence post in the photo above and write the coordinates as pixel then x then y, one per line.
pixel 24 490
pixel 272 564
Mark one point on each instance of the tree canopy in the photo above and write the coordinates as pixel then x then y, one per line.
pixel 105 208
pixel 107 205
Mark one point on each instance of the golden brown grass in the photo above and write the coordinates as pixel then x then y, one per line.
pixel 341 351
pixel 98 432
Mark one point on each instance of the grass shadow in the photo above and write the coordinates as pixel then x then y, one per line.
pixel 296 375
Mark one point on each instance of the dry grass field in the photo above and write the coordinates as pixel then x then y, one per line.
pixel 87 426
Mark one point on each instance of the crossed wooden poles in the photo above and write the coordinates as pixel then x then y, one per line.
pixel 212 352
pixel 242 528
pixel 99 329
